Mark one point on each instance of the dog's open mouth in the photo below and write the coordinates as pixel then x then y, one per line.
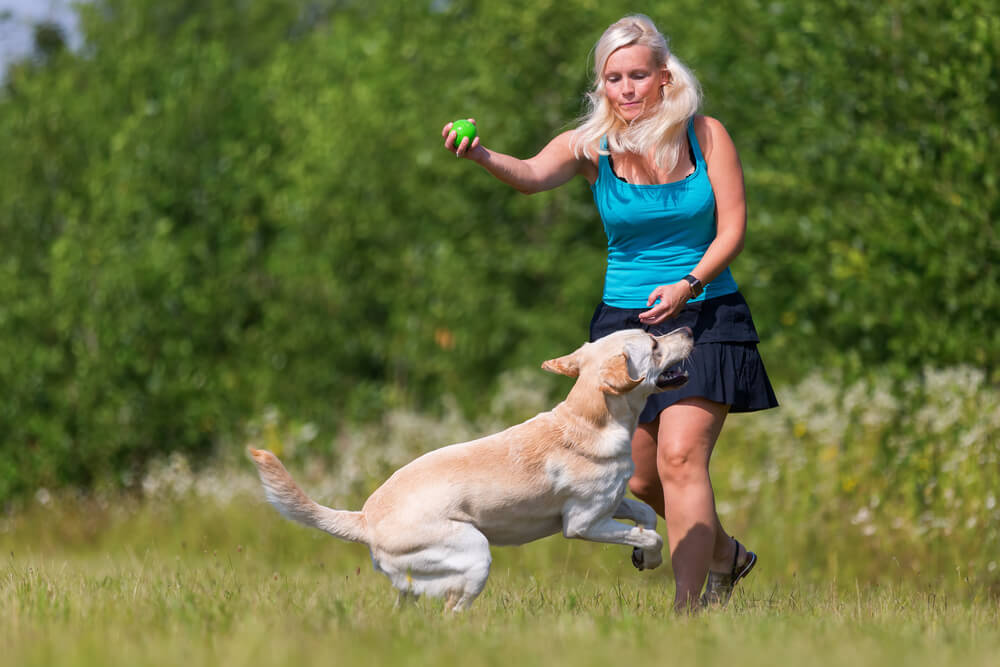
pixel 671 378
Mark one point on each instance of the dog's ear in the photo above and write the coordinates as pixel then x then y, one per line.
pixel 565 365
pixel 615 378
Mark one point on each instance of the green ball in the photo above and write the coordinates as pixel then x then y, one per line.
pixel 464 130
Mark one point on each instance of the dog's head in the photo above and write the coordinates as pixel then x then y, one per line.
pixel 630 361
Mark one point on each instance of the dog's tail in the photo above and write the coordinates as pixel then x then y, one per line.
pixel 291 501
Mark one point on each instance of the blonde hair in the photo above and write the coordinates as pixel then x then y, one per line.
pixel 663 129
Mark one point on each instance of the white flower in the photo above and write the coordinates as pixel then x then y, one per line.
pixel 43 496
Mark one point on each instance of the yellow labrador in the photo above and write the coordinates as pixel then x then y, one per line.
pixel 430 525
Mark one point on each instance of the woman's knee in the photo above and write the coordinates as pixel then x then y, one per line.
pixel 687 435
pixel 680 462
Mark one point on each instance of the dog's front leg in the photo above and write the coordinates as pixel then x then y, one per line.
pixel 643 515
pixel 634 510
pixel 610 531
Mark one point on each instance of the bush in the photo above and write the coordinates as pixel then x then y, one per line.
pixel 214 209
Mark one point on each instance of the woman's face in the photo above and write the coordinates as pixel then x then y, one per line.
pixel 632 80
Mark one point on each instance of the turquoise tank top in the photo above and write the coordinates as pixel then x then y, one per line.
pixel 656 234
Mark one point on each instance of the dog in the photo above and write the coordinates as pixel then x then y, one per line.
pixel 429 527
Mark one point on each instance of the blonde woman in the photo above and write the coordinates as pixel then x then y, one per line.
pixel 668 185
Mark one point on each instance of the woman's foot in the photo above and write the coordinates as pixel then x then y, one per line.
pixel 720 585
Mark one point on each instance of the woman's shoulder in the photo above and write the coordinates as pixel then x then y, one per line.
pixel 565 145
pixel 576 140
pixel 561 156
pixel 568 136
pixel 586 153
pixel 708 126
pixel 711 134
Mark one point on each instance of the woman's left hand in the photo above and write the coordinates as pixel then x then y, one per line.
pixel 672 299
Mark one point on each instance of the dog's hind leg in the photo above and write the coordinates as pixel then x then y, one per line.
pixel 471 562
pixel 455 568
pixel 405 598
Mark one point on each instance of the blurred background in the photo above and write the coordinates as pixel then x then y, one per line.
pixel 227 222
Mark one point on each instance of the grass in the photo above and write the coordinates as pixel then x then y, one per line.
pixel 207 584
pixel 873 508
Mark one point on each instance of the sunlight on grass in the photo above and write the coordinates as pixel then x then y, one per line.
pixel 873 510
pixel 208 584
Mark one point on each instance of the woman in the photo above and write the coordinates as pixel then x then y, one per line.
pixel 669 188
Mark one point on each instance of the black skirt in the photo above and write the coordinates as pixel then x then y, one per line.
pixel 724 366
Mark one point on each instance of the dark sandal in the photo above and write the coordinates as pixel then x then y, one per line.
pixel 720 585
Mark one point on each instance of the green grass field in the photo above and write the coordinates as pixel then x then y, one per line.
pixel 88 583
pixel 874 514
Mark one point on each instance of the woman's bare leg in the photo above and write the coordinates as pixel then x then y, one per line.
pixel 645 483
pixel 686 436
pixel 647 486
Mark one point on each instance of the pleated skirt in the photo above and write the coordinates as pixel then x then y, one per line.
pixel 725 365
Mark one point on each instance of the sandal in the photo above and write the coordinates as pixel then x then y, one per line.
pixel 720 585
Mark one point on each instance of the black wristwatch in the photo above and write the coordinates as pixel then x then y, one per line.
pixel 695 284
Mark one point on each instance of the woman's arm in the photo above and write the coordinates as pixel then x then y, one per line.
pixel 726 175
pixel 554 165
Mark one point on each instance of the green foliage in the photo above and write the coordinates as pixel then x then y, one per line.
pixel 867 130
pixel 214 208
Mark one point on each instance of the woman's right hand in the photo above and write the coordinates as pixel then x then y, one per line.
pixel 465 148
pixel 553 166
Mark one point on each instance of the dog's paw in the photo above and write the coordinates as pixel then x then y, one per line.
pixel 652 559
pixel 646 560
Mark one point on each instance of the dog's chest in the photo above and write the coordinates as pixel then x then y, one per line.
pixel 613 442
pixel 582 474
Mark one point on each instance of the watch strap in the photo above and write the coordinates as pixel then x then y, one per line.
pixel 694 283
